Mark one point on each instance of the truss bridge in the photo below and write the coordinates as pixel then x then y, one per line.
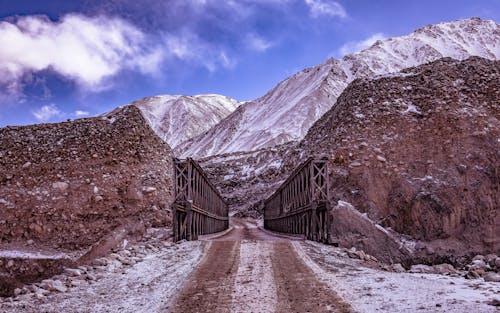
pixel 198 208
pixel 301 203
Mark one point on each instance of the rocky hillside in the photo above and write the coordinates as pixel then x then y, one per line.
pixel 289 110
pixel 177 118
pixel 418 151
pixel 245 178
pixel 69 184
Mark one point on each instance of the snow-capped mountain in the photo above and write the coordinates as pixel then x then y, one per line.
pixel 287 111
pixel 176 118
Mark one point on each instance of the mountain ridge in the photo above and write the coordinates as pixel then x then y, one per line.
pixel 177 118
pixel 287 111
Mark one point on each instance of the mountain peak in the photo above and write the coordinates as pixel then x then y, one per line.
pixel 177 118
pixel 287 111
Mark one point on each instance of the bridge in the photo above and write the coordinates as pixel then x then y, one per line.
pixel 301 203
pixel 198 208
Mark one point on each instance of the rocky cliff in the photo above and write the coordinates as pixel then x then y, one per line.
pixel 418 151
pixel 69 184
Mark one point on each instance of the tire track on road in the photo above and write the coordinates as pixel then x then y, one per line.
pixel 298 288
pixel 211 285
pixel 248 270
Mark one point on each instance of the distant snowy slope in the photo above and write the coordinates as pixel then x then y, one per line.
pixel 286 112
pixel 177 118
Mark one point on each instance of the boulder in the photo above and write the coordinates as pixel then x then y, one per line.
pixel 90 277
pixel 148 189
pixel 75 282
pixel 497 263
pixel 398 268
pixel 73 272
pixel 444 269
pixel 494 302
pixel 100 262
pixel 60 185
pixel 350 228
pixel 422 268
pixel 478 264
pixel 490 259
pixel 490 276
pixel 53 285
pixel 473 274
pixel 39 291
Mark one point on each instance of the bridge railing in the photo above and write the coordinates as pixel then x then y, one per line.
pixel 198 207
pixel 299 205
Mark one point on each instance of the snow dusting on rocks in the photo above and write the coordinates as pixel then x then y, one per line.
pixel 376 290
pixel 141 278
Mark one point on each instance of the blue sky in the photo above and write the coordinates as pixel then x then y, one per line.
pixel 64 59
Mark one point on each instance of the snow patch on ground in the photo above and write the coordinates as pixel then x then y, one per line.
pixel 254 288
pixel 17 254
pixel 412 109
pixel 146 286
pixel 370 290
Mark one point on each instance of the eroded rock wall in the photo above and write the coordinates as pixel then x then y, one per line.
pixel 419 152
pixel 69 184
pixel 246 178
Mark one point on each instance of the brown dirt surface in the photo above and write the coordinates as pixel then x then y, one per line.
pixel 209 288
pixel 247 229
pixel 249 270
pixel 298 288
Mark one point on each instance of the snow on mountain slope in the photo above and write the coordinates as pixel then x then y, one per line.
pixel 176 118
pixel 259 123
pixel 287 111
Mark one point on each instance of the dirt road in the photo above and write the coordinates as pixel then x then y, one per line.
pixel 249 270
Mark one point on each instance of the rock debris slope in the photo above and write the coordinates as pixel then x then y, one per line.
pixel 286 112
pixel 244 178
pixel 176 119
pixel 69 184
pixel 418 151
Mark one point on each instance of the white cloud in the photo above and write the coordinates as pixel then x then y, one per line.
pixel 258 43
pixel 47 112
pixel 226 61
pixel 182 46
pixel 355 46
pixel 326 7
pixel 199 2
pixel 80 113
pixel 87 50
pixel 187 46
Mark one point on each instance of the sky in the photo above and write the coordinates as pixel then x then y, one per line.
pixel 64 59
